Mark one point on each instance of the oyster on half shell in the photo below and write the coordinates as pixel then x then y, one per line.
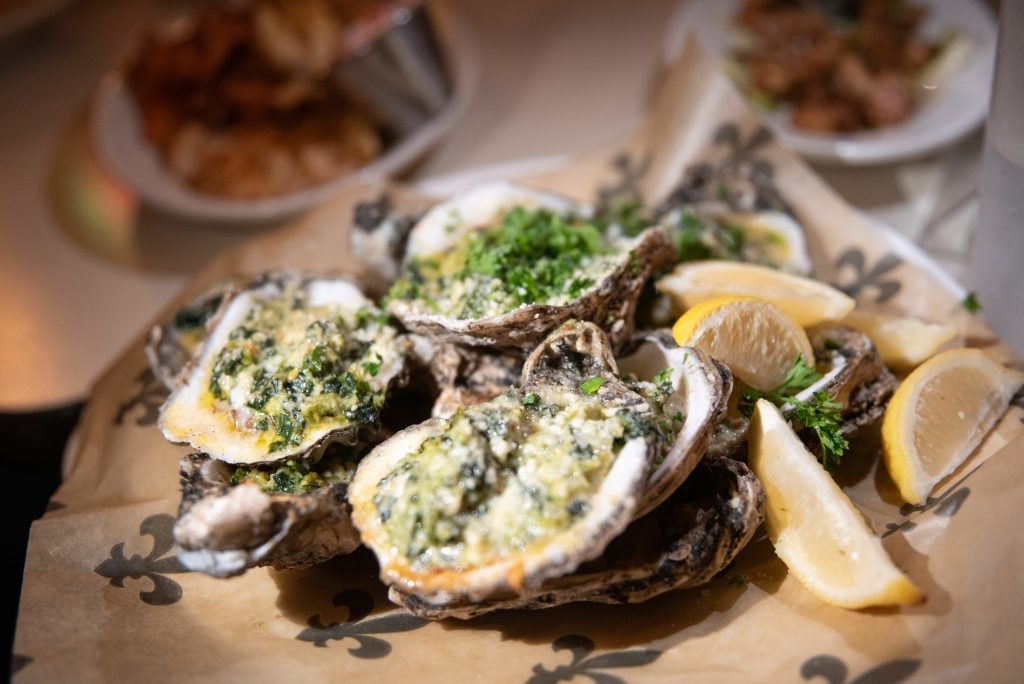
pixel 510 492
pixel 288 366
pixel 234 518
pixel 502 266
pixel 683 543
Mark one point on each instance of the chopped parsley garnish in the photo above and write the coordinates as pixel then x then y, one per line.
pixel 819 413
pixel 298 366
pixel 971 303
pixel 531 400
pixel 531 256
pixel 591 385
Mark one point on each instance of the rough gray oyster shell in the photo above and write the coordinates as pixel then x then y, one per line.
pixel 172 342
pixel 683 543
pixel 460 376
pixel 224 529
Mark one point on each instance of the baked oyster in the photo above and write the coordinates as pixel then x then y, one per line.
pixel 286 514
pixel 502 266
pixel 511 492
pixel 288 367
pixel 685 542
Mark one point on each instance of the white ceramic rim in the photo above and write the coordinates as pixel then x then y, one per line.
pixel 956 111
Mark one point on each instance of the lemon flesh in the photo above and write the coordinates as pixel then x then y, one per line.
pixel 806 301
pixel 940 414
pixel 903 343
pixel 816 530
pixel 754 337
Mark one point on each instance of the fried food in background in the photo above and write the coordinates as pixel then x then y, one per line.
pixel 242 104
pixel 844 65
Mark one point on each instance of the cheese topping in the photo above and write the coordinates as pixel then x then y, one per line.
pixel 531 256
pixel 291 367
pixel 504 476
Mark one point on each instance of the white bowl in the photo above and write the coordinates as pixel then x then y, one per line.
pixel 122 147
pixel 956 107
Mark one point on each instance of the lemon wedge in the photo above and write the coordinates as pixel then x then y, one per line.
pixel 755 338
pixel 903 343
pixel 806 301
pixel 816 530
pixel 940 414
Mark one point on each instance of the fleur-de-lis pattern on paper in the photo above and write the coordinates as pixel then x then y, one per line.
pixel 155 566
pixel 363 632
pixel 945 506
pixel 593 667
pixel 19 662
pixel 629 173
pixel 834 671
pixel 149 394
pixel 874 278
pixel 739 178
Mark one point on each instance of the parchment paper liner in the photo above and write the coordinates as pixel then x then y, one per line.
pixel 105 600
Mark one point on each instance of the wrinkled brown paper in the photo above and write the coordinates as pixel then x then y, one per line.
pixel 105 600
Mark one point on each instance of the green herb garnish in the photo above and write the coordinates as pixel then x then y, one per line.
pixel 531 400
pixel 971 303
pixel 820 413
pixel 591 385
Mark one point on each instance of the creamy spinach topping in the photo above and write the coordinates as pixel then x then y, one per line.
pixel 296 476
pixel 290 368
pixel 532 256
pixel 505 476
pixel 667 418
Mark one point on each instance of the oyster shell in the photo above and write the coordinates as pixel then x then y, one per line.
pixel 171 343
pixel 478 309
pixel 225 527
pixel 856 378
pixel 463 376
pixel 685 414
pixel 684 542
pixel 289 366
pixel 699 389
pixel 377 241
pixel 511 492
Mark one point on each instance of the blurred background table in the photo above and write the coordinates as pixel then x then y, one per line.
pixel 84 267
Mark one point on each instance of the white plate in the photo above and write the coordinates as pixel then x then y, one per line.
pixel 955 108
pixel 120 142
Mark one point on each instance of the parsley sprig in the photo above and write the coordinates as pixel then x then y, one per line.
pixel 819 413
